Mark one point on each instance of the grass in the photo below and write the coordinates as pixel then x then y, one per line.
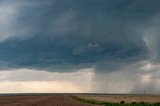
pixel 122 103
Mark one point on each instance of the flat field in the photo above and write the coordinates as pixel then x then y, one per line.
pixel 69 100
pixel 126 98
pixel 51 100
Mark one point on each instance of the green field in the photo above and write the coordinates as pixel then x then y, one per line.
pixel 122 103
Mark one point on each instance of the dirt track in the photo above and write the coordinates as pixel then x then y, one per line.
pixel 55 100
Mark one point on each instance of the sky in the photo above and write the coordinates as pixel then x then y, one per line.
pixel 79 46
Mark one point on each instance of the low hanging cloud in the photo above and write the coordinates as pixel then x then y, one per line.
pixel 59 32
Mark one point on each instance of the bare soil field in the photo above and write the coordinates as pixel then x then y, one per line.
pixel 125 98
pixel 67 100
pixel 54 100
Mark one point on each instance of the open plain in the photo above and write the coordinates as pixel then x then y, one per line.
pixel 68 100
pixel 54 100
pixel 127 98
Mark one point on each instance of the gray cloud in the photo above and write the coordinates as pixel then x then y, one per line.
pixel 75 33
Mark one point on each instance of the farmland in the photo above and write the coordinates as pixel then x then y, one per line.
pixel 29 100
pixel 79 100
pixel 127 98
pixel 120 100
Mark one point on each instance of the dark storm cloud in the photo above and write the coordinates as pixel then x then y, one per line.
pixel 74 34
